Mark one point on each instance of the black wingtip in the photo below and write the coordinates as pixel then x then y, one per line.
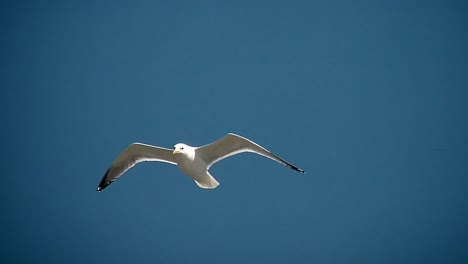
pixel 297 169
pixel 104 183
pixel 288 164
pixel 292 166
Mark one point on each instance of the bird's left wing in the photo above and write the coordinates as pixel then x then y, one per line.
pixel 132 155
pixel 232 144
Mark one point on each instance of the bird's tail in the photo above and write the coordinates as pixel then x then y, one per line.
pixel 207 182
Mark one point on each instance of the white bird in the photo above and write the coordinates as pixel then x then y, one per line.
pixel 193 161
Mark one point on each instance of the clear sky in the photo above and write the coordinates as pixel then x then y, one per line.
pixel 370 98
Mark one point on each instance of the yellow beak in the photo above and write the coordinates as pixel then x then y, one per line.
pixel 175 152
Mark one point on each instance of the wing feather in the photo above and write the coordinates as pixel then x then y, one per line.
pixel 233 144
pixel 132 155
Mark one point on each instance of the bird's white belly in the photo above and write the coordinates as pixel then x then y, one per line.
pixel 194 168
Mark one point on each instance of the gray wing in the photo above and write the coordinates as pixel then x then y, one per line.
pixel 132 155
pixel 232 144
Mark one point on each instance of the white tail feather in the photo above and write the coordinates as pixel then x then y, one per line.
pixel 207 182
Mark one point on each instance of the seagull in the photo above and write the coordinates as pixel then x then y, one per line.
pixel 193 161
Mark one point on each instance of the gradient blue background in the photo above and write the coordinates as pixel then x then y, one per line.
pixel 369 98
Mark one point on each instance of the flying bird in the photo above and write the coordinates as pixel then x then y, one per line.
pixel 193 161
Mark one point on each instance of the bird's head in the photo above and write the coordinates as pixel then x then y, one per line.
pixel 180 149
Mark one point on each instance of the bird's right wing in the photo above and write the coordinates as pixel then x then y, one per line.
pixel 233 144
pixel 133 154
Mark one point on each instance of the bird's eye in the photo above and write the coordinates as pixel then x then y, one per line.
pixel 181 148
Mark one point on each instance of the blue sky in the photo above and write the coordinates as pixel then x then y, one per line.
pixel 368 97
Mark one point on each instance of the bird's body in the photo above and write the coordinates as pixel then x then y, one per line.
pixel 192 165
pixel 193 161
